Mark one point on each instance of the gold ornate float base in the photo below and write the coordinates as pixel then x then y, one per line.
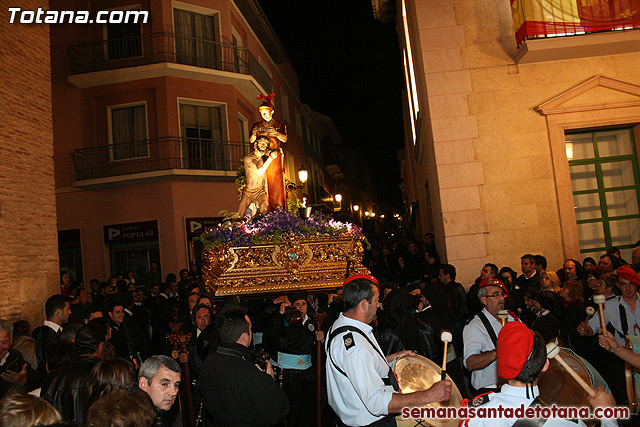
pixel 295 264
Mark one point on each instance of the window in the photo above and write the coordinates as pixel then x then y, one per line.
pixel 305 130
pixel 604 177
pixel 201 129
pixel 128 127
pixel 265 67
pixel 196 39
pixel 134 256
pixel 123 40
pixel 284 102
pixel 298 123
pixel 243 125
pixel 238 59
pixel 70 254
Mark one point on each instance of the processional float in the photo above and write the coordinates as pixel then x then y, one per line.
pixel 276 250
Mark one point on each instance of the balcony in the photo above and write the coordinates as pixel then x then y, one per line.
pixel 159 157
pixel 214 59
pixel 548 30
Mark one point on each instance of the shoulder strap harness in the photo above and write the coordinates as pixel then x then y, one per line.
pixel 389 380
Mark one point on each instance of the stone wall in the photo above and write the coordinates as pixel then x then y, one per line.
pixel 28 239
pixel 498 186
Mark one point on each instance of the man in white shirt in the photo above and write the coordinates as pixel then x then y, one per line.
pixel 622 317
pixel 359 379
pixel 628 282
pixel 480 336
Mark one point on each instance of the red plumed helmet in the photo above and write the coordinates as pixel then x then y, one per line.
pixel 268 100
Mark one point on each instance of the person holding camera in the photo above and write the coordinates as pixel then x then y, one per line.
pixel 236 391
pixel 291 337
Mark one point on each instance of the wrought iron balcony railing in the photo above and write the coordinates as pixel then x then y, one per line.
pixel 165 47
pixel 553 18
pixel 159 154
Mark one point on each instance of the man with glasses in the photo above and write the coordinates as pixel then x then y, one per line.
pixel 473 304
pixel 480 336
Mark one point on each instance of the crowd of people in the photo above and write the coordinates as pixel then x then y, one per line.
pixel 102 357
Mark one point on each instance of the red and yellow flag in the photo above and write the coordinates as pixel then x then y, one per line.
pixel 562 17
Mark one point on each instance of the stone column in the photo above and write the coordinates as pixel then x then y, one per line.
pixel 28 236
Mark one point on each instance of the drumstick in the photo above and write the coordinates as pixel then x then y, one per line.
pixel 600 300
pixel 590 312
pixel 553 352
pixel 504 316
pixel 446 338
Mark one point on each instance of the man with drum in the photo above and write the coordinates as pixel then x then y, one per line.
pixel 480 336
pixel 360 383
pixel 622 317
pixel 522 356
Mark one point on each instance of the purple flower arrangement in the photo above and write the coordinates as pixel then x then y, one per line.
pixel 270 228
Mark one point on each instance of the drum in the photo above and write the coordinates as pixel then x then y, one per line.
pixel 632 375
pixel 558 387
pixel 417 373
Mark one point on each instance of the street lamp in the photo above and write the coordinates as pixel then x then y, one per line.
pixel 338 197
pixel 373 214
pixel 356 208
pixel 303 175
pixel 366 213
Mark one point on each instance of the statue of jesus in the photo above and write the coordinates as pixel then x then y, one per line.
pixel 255 167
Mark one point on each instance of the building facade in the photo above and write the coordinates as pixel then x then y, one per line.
pixel 522 127
pixel 28 250
pixel 151 121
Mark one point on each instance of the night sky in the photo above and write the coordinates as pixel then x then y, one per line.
pixel 349 68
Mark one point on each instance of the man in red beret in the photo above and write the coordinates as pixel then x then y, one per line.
pixel 480 336
pixel 614 308
pixel 622 317
pixel 522 356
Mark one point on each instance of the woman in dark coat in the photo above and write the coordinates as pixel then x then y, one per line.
pixel 546 323
pixel 573 313
pixel 399 330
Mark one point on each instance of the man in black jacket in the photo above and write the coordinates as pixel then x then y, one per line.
pixel 234 390
pixel 67 388
pixel 457 301
pixel 120 337
pixel 203 342
pixel 57 311
pixel 14 371
pixel 160 377
pixel 530 278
